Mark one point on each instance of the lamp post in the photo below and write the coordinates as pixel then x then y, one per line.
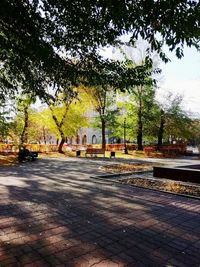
pixel 125 147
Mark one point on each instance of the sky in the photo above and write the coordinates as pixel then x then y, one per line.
pixel 182 76
pixel 179 76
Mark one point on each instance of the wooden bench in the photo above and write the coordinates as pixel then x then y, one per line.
pixel 95 151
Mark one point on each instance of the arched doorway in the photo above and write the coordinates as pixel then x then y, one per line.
pixel 94 139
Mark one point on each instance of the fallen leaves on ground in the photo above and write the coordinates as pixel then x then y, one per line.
pixel 8 160
pixel 53 155
pixel 120 168
pixel 170 186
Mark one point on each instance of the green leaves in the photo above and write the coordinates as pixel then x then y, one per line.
pixel 58 40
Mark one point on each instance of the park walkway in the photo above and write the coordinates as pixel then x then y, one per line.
pixel 53 214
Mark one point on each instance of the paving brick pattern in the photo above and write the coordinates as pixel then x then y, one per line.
pixel 53 214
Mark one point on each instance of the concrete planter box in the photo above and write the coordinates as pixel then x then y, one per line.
pixel 179 173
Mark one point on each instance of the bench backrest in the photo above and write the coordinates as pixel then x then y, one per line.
pixel 95 151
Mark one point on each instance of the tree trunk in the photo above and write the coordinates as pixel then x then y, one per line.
pixel 59 127
pixel 103 130
pixel 139 136
pixel 24 135
pixel 61 145
pixel 161 129
pixel 139 126
pixel 44 136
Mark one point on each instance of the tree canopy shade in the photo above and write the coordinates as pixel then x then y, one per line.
pixel 39 38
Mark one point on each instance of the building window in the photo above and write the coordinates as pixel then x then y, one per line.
pixel 94 139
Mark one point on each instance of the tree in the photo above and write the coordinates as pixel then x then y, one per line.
pixel 194 138
pixel 103 101
pixel 141 87
pixel 65 98
pixel 23 107
pixel 178 124
pixel 136 107
pixel 126 112
pixel 170 121
pixel 38 36
pixel 144 97
pixel 61 106
pixel 38 131
pixel 5 120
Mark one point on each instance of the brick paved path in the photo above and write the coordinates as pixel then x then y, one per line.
pixel 53 214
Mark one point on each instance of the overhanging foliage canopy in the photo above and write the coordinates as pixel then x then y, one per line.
pixel 39 38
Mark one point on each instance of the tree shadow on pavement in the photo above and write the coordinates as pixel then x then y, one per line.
pixel 53 214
